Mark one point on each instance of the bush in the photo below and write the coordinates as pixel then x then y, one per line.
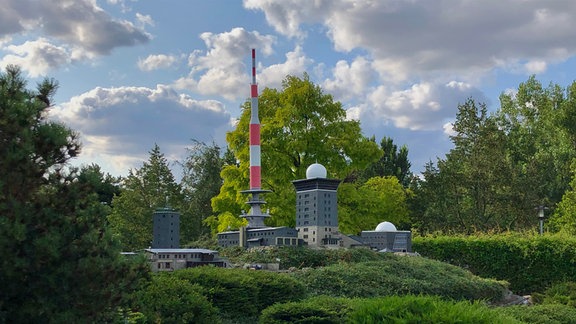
pixel 315 310
pixel 561 293
pixel 168 299
pixel 393 309
pixel 421 309
pixel 399 275
pixel 541 314
pixel 243 293
pixel 529 263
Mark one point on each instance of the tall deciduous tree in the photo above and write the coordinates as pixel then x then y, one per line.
pixel 60 262
pixel 201 182
pixel 300 125
pixel 144 190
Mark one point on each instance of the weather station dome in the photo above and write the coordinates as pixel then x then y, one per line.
pixel 316 170
pixel 385 227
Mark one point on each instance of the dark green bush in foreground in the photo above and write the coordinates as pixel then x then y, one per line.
pixel 393 309
pixel 542 314
pixel 168 299
pixel 399 275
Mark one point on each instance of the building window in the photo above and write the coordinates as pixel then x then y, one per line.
pixel 306 229
pixel 305 236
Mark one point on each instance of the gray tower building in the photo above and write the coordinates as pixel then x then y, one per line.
pixel 166 229
pixel 316 208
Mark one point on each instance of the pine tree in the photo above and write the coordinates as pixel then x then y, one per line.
pixel 59 263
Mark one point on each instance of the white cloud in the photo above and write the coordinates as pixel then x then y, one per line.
pixel 350 80
pixel 536 66
pixel 120 125
pixel 287 16
pixel 424 106
pixel 423 38
pixel 77 23
pixel 296 64
pixel 155 62
pixel 224 68
pixel 145 19
pixel 36 57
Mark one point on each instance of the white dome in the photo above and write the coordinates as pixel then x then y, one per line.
pixel 316 171
pixel 385 227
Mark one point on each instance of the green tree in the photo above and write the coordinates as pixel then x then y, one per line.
pixel 564 217
pixel 60 262
pixel 300 125
pixel 201 182
pixel 144 190
pixel 393 162
pixel 538 141
pixel 365 206
pixel 471 186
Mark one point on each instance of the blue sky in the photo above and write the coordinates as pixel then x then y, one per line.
pixel 134 73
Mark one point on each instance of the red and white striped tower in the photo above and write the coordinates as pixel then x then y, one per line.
pixel 255 168
pixel 255 217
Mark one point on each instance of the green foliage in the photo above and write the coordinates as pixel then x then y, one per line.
pixel 320 309
pixel 541 314
pixel 364 207
pixel 393 162
pixel 143 191
pixel 530 263
pixel 254 290
pixel 169 299
pixel 421 309
pixel 392 309
pixel 201 182
pixel 300 125
pixel 559 293
pixel 398 275
pixel 60 263
pixel 502 165
pixel 564 218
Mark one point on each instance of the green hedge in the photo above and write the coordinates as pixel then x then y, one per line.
pixel 399 275
pixel 242 293
pixel 393 309
pixel 530 263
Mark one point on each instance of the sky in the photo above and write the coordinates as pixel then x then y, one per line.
pixel 136 73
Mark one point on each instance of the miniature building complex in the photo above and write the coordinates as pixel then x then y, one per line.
pixel 176 259
pixel 316 208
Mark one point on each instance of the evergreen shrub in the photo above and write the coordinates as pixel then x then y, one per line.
pixel 240 292
pixel 399 275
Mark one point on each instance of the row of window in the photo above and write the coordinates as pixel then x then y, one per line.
pixel 179 256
